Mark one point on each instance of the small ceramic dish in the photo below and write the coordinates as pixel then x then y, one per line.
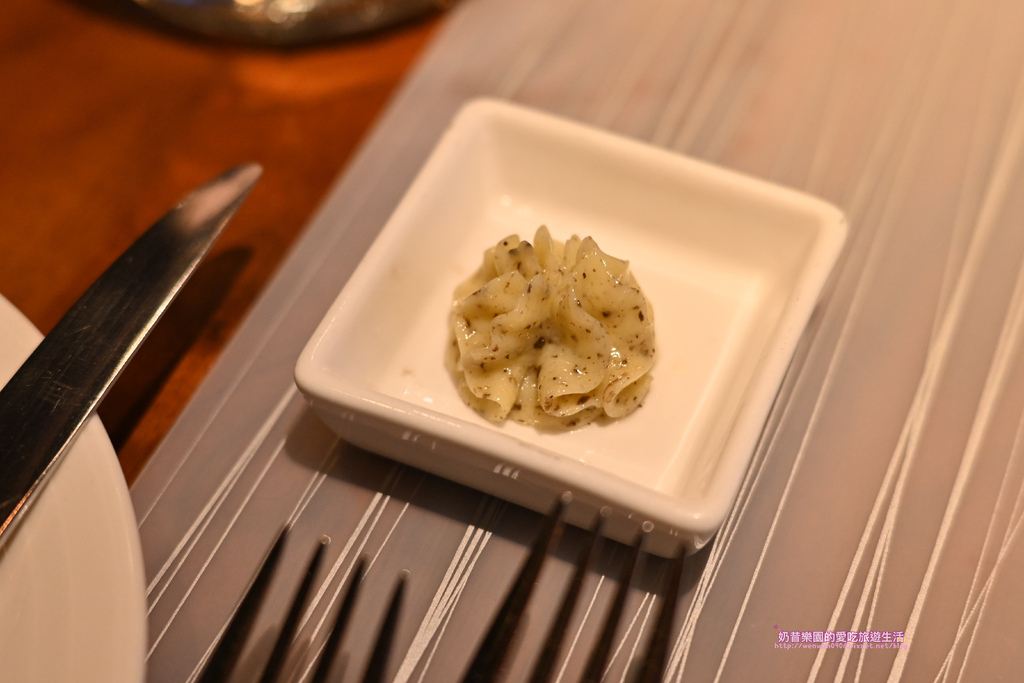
pixel 733 267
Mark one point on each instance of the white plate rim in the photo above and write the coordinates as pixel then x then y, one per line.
pixel 73 573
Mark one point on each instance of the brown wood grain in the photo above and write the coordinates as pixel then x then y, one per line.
pixel 108 117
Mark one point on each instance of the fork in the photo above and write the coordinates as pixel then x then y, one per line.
pixel 224 657
pixel 487 664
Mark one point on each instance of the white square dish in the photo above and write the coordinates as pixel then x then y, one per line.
pixel 733 267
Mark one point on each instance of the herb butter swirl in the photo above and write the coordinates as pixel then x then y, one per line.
pixel 550 334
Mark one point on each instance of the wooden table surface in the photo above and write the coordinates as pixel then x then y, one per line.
pixel 110 117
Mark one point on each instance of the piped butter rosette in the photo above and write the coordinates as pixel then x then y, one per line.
pixel 551 334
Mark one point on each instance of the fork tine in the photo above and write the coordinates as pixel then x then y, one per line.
pixel 284 639
pixel 382 648
pixel 225 655
pixel 494 647
pixel 657 648
pixel 602 648
pixel 330 648
pixel 545 664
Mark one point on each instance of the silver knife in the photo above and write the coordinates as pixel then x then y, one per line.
pixel 50 397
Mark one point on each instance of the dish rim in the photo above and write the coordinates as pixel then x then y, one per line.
pixel 120 541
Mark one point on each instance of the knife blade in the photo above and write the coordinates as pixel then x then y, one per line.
pixel 46 402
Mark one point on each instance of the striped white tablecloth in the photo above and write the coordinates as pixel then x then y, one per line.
pixel 884 502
